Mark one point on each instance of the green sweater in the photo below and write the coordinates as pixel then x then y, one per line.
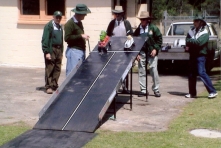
pixel 198 43
pixel 73 36
pixel 154 40
pixel 47 36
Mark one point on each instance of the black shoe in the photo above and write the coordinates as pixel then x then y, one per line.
pixel 157 94
pixel 142 94
pixel 125 91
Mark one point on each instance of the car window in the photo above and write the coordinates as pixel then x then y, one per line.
pixel 181 29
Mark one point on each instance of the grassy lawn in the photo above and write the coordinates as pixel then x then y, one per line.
pixel 201 113
pixel 8 132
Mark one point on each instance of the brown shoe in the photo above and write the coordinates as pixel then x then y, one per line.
pixel 49 91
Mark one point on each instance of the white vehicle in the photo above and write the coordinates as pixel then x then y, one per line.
pixel 174 42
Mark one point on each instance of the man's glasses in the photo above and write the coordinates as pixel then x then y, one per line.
pixel 58 17
pixel 143 19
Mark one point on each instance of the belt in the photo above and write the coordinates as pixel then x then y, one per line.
pixel 57 46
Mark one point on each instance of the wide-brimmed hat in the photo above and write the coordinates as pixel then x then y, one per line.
pixel 201 18
pixel 57 13
pixel 81 9
pixel 118 9
pixel 144 15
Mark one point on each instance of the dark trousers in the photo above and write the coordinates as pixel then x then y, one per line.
pixel 53 69
pixel 197 67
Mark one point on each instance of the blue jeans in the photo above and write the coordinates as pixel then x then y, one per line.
pixel 197 67
pixel 73 56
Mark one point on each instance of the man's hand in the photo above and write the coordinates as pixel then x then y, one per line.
pixel 48 56
pixel 153 53
pixel 84 36
pixel 138 57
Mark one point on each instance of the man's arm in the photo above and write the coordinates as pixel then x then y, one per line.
pixel 110 28
pixel 158 39
pixel 45 40
pixel 203 39
pixel 129 29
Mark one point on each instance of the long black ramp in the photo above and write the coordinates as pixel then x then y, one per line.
pixel 50 139
pixel 87 116
pixel 85 99
pixel 68 100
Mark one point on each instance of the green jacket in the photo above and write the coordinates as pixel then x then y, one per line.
pixel 46 41
pixel 73 33
pixel 154 40
pixel 127 25
pixel 198 43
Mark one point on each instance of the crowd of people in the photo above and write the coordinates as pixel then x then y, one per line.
pixel 74 35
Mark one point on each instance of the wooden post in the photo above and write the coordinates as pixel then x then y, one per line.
pixel 220 20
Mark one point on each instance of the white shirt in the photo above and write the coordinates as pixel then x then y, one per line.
pixel 116 22
pixel 75 20
pixel 142 30
pixel 55 26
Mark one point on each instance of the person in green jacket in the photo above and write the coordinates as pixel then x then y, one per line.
pixel 120 27
pixel 75 37
pixel 197 46
pixel 150 49
pixel 52 46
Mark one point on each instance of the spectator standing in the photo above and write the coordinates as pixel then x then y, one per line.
pixel 197 46
pixel 119 26
pixel 75 37
pixel 52 46
pixel 150 49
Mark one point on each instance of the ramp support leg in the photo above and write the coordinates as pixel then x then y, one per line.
pixel 115 110
pixel 131 76
pixel 146 79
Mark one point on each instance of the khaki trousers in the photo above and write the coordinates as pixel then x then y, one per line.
pixel 53 69
pixel 152 61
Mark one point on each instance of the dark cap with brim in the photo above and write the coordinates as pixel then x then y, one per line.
pixel 57 13
pixel 81 9
pixel 201 18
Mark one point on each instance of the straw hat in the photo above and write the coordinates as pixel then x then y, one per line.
pixel 118 9
pixel 144 14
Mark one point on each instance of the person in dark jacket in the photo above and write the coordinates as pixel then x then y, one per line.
pixel 52 46
pixel 150 49
pixel 120 27
pixel 75 37
pixel 197 46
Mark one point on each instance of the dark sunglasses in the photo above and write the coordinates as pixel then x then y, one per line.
pixel 143 19
pixel 58 17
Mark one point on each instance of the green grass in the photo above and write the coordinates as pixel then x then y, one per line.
pixel 8 132
pixel 201 113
